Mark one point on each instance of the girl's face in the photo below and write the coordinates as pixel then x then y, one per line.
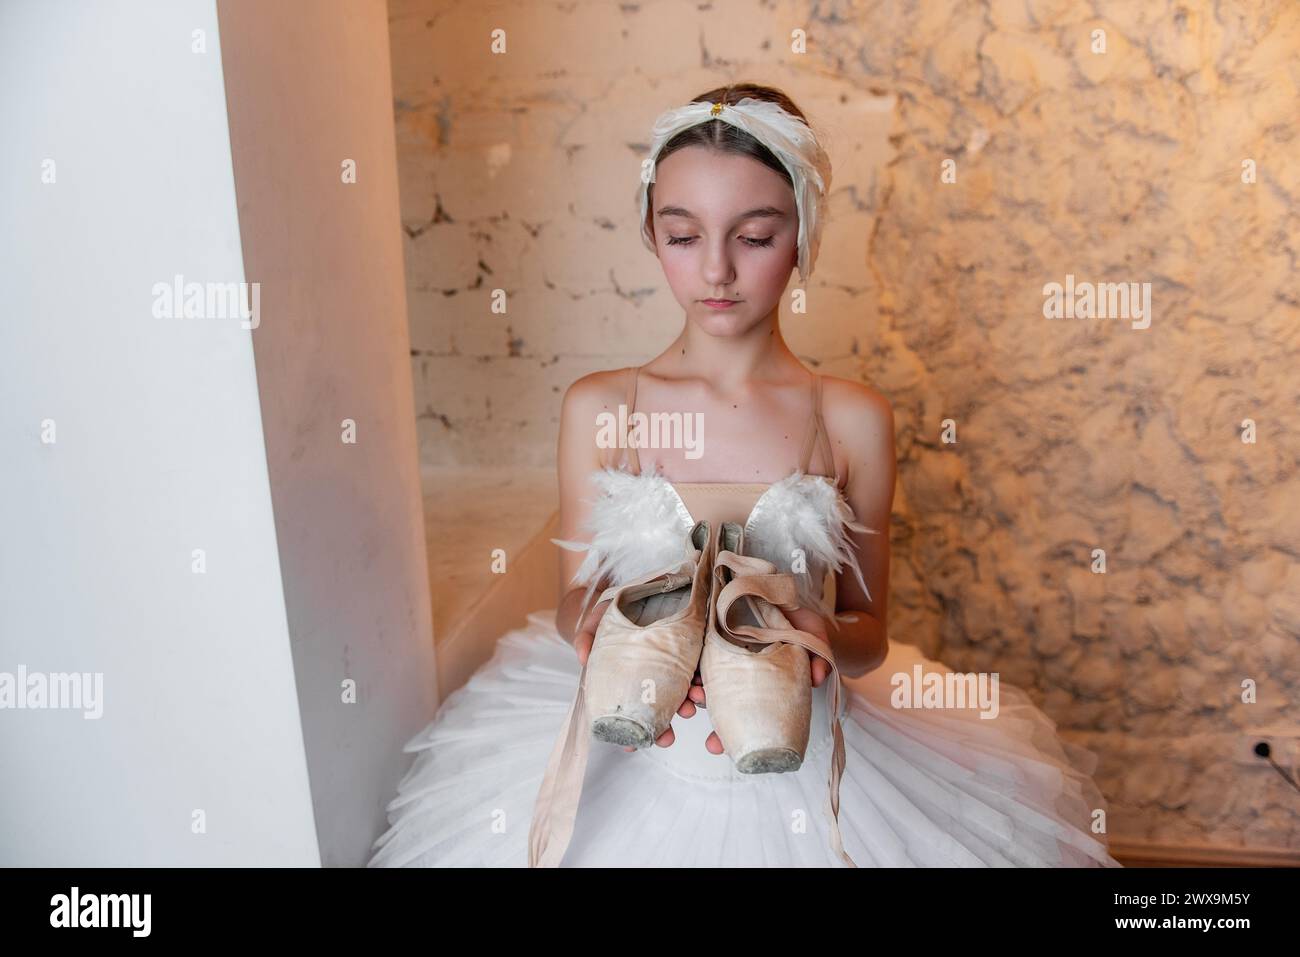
pixel 725 228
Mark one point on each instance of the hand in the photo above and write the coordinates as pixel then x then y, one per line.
pixel 803 619
pixel 582 643
pixel 586 636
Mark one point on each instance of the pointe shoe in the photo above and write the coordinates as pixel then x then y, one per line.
pixel 759 691
pixel 647 647
pixel 757 672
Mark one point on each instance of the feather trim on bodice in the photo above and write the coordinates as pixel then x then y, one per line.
pixel 639 524
pixel 800 525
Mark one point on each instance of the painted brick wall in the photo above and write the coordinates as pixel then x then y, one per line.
pixel 1133 164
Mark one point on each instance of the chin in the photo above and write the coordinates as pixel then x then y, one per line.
pixel 733 322
pixel 725 326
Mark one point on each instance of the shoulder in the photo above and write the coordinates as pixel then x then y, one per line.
pixel 860 425
pixel 585 412
pixel 596 392
pixel 855 407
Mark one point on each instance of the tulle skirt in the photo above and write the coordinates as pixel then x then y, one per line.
pixel 921 787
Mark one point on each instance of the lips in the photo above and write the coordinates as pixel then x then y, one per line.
pixel 719 303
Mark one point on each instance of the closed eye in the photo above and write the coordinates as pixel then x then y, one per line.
pixel 747 240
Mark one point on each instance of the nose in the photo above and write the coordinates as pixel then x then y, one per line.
pixel 719 270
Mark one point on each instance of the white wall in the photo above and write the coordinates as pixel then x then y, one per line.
pixel 176 434
pixel 159 452
pixel 308 86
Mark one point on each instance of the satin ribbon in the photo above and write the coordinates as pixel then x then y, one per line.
pixel 556 808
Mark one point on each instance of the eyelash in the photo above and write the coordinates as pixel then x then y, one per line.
pixel 687 240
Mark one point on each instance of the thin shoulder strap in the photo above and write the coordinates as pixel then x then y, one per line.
pixel 817 436
pixel 632 455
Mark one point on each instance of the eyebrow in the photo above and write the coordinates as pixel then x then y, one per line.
pixel 759 212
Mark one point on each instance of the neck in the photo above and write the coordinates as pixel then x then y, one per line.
pixel 731 362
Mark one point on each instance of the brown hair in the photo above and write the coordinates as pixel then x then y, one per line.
pixel 717 135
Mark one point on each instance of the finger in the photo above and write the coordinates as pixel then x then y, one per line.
pixel 696 695
pixel 667 738
pixel 687 709
pixel 714 743
pixel 820 669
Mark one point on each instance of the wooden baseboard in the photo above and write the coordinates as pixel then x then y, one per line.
pixel 1148 854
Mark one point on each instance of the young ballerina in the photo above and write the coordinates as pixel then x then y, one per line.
pixel 805 465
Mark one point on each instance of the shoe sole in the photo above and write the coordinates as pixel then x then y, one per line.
pixel 769 761
pixel 620 729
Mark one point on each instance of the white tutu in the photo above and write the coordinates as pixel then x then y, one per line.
pixel 921 788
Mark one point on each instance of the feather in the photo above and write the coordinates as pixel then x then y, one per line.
pixel 797 516
pixel 637 526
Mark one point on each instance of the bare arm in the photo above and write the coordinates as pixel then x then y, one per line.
pixel 861 423
pixel 577 457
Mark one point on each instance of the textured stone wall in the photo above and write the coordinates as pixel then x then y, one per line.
pixel 1025 443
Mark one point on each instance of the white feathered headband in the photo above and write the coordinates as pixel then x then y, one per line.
pixel 789 138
